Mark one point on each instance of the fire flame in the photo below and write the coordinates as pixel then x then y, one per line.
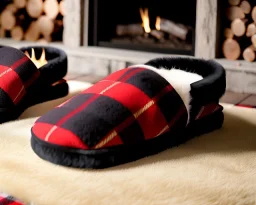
pixel 38 63
pixel 145 20
pixel 158 23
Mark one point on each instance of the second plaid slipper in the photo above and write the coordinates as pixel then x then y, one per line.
pixel 22 84
pixel 132 113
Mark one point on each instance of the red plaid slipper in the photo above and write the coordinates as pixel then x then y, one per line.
pixel 132 113
pixel 22 84
pixel 6 199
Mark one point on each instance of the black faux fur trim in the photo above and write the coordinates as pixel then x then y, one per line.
pixel 57 65
pixel 210 88
pixel 108 157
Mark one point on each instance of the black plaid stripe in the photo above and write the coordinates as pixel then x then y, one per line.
pixel 170 104
pixel 53 116
pixel 10 55
pixel 5 100
pixel 78 100
pixel 128 136
pixel 149 82
pixel 128 72
pixel 98 119
pixel 56 114
pixel 26 71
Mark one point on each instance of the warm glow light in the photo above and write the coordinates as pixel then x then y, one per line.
pixel 39 63
pixel 145 20
pixel 158 23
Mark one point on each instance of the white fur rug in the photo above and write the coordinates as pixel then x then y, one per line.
pixel 217 168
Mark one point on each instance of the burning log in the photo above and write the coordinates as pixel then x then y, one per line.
pixel 131 29
pixel 51 8
pixel 157 34
pixel 231 49
pixel 141 39
pixel 174 29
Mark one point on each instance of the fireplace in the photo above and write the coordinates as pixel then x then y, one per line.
pixel 144 25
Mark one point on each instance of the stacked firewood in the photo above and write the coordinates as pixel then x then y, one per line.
pixel 240 34
pixel 32 20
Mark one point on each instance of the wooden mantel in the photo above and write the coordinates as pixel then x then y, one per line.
pixel 76 26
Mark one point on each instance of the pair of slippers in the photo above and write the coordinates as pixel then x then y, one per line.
pixel 132 113
pixel 23 84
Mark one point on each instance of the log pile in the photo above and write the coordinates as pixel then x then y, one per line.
pixel 240 32
pixel 32 20
pixel 164 32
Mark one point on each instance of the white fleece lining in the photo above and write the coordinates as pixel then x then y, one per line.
pixel 179 79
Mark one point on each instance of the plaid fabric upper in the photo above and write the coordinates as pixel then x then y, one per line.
pixel 126 107
pixel 17 73
pixel 6 199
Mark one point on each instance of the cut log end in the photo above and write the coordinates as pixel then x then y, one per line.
pixel 231 49
pixel 45 25
pixel 11 7
pixel 34 8
pixel 32 33
pixel 234 12
pixel 253 40
pixel 249 54
pixel 62 7
pixel 17 33
pixel 20 3
pixel 238 27
pixel 253 14
pixel 2 32
pixel 245 6
pixel 228 33
pixel 233 2
pixel 51 8
pixel 251 30
pixel 7 20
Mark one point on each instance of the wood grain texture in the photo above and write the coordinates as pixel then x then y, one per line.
pixel 73 23
pixel 206 27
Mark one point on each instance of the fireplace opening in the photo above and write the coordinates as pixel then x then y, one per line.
pixel 145 25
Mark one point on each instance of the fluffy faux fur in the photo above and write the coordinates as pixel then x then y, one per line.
pixel 179 79
pixel 217 168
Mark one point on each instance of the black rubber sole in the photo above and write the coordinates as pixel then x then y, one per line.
pixel 104 158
